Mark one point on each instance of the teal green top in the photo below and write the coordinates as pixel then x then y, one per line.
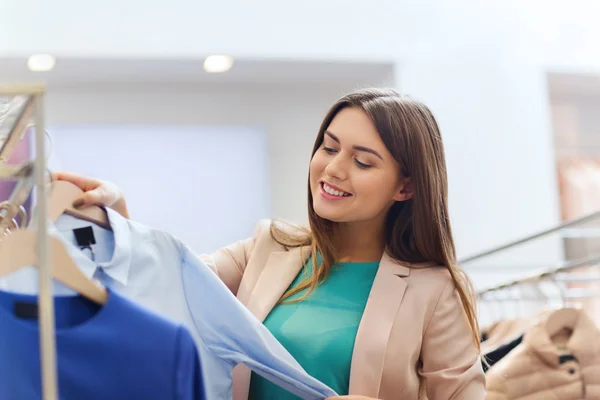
pixel 319 331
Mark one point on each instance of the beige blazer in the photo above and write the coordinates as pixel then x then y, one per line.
pixel 532 371
pixel 413 325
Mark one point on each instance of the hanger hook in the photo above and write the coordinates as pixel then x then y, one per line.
pixel 521 302
pixel 488 299
pixel 47 135
pixel 561 292
pixel 539 296
pixel 24 217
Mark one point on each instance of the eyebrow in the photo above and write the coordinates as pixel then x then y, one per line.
pixel 359 148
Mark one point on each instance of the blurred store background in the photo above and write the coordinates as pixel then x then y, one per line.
pixel 515 86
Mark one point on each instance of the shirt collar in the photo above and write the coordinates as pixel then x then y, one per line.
pixel 120 264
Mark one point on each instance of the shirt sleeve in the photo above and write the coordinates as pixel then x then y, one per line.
pixel 230 261
pixel 188 382
pixel 233 334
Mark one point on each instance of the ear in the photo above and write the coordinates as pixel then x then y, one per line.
pixel 405 191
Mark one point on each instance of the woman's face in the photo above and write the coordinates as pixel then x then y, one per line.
pixel 353 177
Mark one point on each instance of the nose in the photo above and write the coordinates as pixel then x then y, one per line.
pixel 337 168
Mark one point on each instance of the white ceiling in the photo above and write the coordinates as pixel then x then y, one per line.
pixel 69 72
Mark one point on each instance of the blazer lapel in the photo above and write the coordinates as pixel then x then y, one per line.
pixel 278 274
pixel 375 327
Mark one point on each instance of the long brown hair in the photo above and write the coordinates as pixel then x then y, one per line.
pixel 417 230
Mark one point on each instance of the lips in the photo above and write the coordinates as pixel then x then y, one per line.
pixel 333 191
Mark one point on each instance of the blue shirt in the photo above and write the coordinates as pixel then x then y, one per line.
pixel 161 273
pixel 117 351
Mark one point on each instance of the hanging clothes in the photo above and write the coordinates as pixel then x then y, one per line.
pixel 159 272
pixel 116 351
pixel 502 332
pixel 565 367
pixel 494 356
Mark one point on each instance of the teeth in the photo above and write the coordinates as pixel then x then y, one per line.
pixel 334 192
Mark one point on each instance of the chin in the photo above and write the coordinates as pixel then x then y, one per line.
pixel 328 215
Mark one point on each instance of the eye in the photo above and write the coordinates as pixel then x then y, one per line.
pixel 362 165
pixel 329 150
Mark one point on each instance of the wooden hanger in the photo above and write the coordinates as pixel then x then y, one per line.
pixel 62 195
pixel 19 250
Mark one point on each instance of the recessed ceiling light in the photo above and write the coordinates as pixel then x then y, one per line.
pixel 218 63
pixel 41 62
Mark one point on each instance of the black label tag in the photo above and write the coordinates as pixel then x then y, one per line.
pixel 26 310
pixel 84 236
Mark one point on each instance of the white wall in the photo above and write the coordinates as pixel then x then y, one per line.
pixel 491 98
pixel 289 116
pixel 206 185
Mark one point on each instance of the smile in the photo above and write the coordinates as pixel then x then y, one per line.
pixel 331 192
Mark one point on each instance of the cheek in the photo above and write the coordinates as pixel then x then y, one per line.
pixel 368 186
pixel 313 175
pixel 375 188
pixel 317 166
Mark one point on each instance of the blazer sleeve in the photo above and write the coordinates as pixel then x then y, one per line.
pixel 451 365
pixel 229 263
pixel 496 382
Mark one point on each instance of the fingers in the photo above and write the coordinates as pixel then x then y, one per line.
pixel 96 192
pixel 97 196
pixel 84 183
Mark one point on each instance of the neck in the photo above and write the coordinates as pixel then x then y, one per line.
pixel 359 242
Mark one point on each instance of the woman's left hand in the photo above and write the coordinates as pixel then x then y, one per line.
pixel 350 397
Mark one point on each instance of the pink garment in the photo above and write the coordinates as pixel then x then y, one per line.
pixel 535 369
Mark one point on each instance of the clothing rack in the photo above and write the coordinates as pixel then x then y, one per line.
pixel 564 272
pixel 547 274
pixel 32 108
pixel 558 228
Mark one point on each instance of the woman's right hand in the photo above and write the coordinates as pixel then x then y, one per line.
pixel 95 192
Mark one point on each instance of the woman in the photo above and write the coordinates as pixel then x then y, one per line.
pixel 381 308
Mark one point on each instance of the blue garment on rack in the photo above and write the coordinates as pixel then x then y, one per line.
pixel 158 271
pixel 116 351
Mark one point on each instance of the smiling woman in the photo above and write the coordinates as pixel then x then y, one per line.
pixel 369 299
pixel 352 164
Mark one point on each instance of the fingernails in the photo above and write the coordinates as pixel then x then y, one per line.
pixel 78 203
